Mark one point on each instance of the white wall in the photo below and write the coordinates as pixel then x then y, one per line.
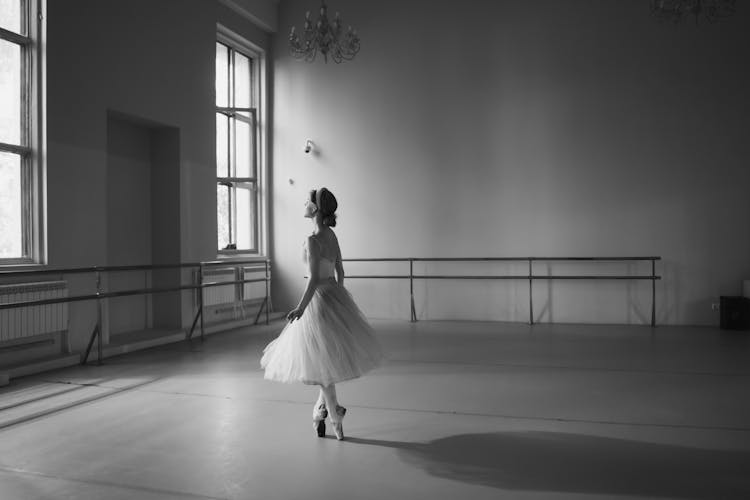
pixel 154 61
pixel 507 128
pixel 129 215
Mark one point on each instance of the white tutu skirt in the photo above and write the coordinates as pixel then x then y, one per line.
pixel 330 343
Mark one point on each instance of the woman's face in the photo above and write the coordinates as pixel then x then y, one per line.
pixel 310 209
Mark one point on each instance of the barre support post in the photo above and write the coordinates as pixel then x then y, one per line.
pixel 531 300
pixel 99 347
pixel 653 292
pixel 94 333
pixel 200 298
pixel 411 291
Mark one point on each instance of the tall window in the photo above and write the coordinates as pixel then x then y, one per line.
pixel 20 130
pixel 237 148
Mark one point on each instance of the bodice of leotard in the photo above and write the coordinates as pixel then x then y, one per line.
pixel 326 266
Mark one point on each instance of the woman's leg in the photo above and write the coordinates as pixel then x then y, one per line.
pixel 329 396
pixel 319 414
pixel 335 412
pixel 321 399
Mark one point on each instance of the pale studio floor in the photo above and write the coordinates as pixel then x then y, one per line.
pixel 462 410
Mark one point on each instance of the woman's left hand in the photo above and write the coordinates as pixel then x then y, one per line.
pixel 295 314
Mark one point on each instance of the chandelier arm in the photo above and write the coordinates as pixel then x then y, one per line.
pixel 325 37
pixel 676 10
pixel 310 54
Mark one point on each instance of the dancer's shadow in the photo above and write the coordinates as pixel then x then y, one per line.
pixel 549 461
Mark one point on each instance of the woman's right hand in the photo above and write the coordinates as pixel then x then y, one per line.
pixel 295 314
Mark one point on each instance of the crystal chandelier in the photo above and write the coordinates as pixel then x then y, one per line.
pixel 324 36
pixel 675 10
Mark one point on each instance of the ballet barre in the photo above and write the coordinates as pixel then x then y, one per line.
pixel 256 265
pixel 530 276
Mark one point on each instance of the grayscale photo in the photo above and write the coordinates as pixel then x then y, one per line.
pixel 374 250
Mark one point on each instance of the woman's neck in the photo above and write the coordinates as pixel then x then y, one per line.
pixel 318 226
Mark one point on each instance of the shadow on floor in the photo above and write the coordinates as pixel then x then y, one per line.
pixel 548 461
pixel 29 403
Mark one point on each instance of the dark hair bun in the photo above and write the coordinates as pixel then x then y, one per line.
pixel 328 206
pixel 329 220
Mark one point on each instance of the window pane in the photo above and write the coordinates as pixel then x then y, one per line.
pixel 222 145
pixel 11 235
pixel 242 79
pixel 10 92
pixel 10 15
pixel 245 216
pixel 222 210
pixel 244 151
pixel 222 75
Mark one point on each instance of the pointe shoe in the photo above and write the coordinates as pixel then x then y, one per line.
pixel 338 430
pixel 338 427
pixel 320 428
pixel 319 420
pixel 340 411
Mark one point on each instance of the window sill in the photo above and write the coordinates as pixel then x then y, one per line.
pixel 20 265
pixel 229 255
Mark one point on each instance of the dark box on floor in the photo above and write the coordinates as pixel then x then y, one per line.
pixel 735 313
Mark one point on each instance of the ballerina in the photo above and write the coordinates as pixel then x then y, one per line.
pixel 327 339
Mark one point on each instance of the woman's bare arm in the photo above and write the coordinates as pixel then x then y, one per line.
pixel 313 265
pixel 339 264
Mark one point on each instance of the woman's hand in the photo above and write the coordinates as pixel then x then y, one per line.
pixel 295 314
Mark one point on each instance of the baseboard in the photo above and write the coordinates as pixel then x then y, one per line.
pixel 43 365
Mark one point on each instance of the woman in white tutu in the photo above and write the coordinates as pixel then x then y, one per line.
pixel 327 339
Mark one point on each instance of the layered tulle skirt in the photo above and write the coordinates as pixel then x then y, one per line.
pixel 330 343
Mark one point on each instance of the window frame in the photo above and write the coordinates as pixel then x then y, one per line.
pixel 32 145
pixel 257 119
